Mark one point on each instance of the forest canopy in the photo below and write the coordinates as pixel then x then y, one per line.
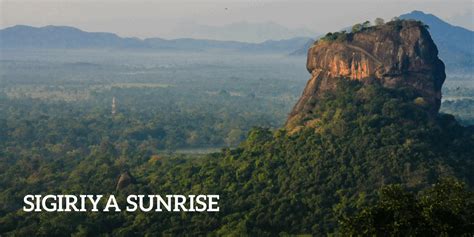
pixel 364 138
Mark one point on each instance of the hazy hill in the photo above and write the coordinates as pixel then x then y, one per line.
pixel 303 50
pixel 202 44
pixel 21 36
pixel 243 31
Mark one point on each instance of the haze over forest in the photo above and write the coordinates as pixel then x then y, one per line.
pixel 96 113
pixel 213 97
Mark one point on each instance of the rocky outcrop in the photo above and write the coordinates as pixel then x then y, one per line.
pixel 124 180
pixel 398 54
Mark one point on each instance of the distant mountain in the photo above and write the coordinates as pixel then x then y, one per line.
pixel 200 44
pixel 455 44
pixel 243 31
pixel 304 49
pixel 21 36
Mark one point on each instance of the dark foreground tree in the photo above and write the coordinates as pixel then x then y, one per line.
pixel 446 209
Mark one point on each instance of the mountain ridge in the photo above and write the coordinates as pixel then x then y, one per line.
pixel 242 31
pixel 22 36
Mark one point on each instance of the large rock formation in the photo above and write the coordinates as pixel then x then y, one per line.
pixel 397 54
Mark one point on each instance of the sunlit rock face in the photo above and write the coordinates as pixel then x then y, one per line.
pixel 397 54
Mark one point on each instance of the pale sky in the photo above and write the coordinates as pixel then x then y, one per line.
pixel 165 18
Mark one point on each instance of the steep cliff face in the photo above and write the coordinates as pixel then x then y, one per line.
pixel 397 54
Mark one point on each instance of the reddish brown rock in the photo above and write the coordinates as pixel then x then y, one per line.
pixel 397 54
